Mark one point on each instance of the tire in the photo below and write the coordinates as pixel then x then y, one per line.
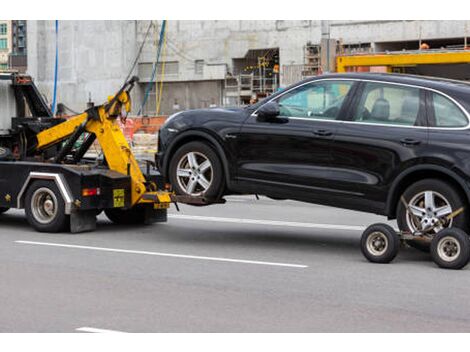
pixel 133 216
pixel 3 210
pixel 442 191
pixel 45 207
pixel 5 154
pixel 450 249
pixel 192 180
pixel 380 243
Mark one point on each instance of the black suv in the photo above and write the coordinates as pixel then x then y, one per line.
pixel 355 141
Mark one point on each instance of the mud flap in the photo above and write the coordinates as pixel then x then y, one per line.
pixel 155 215
pixel 83 221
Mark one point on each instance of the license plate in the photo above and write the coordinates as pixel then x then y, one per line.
pixel 118 198
pixel 161 205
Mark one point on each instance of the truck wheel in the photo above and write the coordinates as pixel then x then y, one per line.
pixel 196 170
pixel 3 210
pixel 430 200
pixel 45 207
pixel 450 249
pixel 5 154
pixel 380 243
pixel 133 216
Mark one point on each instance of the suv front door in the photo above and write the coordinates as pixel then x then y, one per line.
pixel 293 149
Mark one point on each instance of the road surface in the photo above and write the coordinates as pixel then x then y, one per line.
pixel 246 266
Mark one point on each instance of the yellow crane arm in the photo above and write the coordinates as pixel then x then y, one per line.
pixel 102 122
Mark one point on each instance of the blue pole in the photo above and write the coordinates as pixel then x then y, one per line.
pixel 56 67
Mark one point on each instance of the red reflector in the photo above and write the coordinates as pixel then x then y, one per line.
pixel 86 192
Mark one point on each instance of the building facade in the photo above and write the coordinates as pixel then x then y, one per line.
pixel 18 54
pixel 5 43
pixel 211 63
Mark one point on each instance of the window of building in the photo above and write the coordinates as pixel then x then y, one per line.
pixel 171 68
pixel 321 100
pixel 446 113
pixel 3 29
pixel 3 66
pixel 3 43
pixel 199 67
pixel 388 104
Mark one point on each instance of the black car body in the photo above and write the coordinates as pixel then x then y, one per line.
pixel 354 141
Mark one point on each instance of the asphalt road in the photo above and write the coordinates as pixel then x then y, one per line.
pixel 247 266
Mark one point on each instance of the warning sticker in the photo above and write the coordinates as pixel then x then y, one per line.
pixel 118 198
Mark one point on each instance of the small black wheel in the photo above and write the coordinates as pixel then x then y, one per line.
pixel 3 210
pixel 133 216
pixel 380 243
pixel 196 170
pixel 45 207
pixel 450 248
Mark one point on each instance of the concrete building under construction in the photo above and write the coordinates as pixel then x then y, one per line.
pixel 222 63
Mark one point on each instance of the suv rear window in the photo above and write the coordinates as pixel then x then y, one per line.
pixel 446 113
pixel 388 104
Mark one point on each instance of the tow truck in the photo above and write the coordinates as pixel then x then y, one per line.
pixel 44 170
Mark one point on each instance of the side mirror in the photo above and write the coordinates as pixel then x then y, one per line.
pixel 268 111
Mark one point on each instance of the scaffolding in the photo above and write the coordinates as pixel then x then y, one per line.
pixel 256 76
pixel 312 60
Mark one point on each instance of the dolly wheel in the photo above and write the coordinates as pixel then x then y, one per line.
pixel 450 248
pixel 380 243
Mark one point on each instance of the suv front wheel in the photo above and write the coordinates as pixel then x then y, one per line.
pixel 429 203
pixel 196 170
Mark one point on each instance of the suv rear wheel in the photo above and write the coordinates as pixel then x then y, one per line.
pixel 196 170
pixel 430 201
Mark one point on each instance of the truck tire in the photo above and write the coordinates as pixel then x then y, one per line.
pixel 45 207
pixel 442 195
pixel 196 170
pixel 5 154
pixel 133 216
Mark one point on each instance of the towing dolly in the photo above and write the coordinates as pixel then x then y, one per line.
pixel 449 247
pixel 44 171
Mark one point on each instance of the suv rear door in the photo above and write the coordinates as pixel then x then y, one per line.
pixel 384 132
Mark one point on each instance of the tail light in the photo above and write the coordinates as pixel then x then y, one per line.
pixel 88 192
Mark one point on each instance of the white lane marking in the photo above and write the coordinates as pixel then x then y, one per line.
pixel 116 250
pixel 88 329
pixel 268 222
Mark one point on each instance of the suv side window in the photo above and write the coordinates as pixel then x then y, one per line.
pixel 388 104
pixel 318 100
pixel 446 113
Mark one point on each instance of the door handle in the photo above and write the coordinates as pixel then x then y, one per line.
pixel 409 142
pixel 322 133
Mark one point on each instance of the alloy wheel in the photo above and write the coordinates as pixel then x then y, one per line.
pixel 194 173
pixel 428 210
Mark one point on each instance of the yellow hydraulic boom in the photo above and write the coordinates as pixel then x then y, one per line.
pixel 101 121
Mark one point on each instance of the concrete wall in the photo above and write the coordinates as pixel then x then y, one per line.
pixel 95 56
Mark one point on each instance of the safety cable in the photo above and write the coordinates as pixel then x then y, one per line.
pixel 154 69
pixel 162 76
pixel 151 24
pixel 56 67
